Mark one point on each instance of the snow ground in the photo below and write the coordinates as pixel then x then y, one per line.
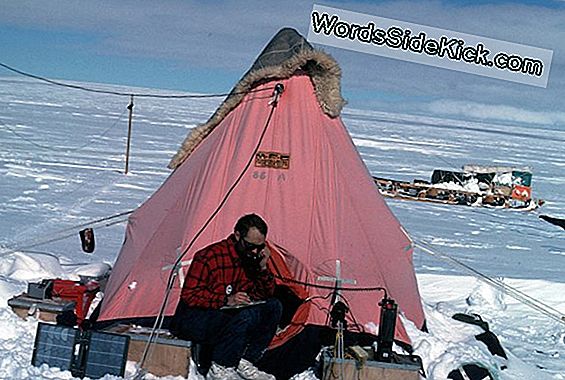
pixel 62 160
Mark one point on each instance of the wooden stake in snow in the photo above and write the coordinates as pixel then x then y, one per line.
pixel 130 108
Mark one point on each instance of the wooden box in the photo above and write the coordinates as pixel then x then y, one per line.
pixel 45 310
pixel 349 369
pixel 168 356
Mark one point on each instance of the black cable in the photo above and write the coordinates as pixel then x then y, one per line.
pixel 334 290
pixel 118 93
pixel 278 89
pixel 319 286
pixel 355 323
pixel 329 287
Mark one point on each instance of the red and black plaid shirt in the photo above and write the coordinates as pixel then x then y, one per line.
pixel 216 272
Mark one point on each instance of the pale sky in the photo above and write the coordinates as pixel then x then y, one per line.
pixel 206 46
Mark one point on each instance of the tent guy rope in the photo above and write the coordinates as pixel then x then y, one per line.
pixel 118 93
pixel 277 92
pixel 519 296
pixel 63 233
pixel 93 140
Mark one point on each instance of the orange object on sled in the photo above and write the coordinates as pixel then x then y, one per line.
pixel 75 291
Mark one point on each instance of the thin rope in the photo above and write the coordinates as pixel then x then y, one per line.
pixel 43 242
pixel 118 93
pixel 329 287
pixel 505 288
pixel 31 243
pixel 71 149
pixel 170 282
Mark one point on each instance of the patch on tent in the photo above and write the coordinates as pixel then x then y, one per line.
pixel 272 160
pixel 167 268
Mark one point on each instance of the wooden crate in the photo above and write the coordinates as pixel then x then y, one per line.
pixel 168 356
pixel 349 369
pixel 44 310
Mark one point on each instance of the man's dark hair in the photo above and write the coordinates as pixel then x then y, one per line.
pixel 250 220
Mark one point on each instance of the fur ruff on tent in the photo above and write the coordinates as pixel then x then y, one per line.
pixel 297 167
pixel 280 59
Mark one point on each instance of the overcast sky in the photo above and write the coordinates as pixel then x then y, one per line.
pixel 205 46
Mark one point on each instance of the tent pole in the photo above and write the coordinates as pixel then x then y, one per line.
pixel 130 108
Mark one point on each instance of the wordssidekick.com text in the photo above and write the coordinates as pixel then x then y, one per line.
pixel 398 38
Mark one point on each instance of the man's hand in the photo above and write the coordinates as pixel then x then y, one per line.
pixel 239 298
pixel 266 253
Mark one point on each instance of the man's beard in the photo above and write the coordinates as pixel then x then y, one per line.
pixel 251 262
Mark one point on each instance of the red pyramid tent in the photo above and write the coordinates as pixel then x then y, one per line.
pixel 306 179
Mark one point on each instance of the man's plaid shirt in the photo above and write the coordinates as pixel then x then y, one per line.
pixel 216 272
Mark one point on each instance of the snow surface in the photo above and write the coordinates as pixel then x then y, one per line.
pixel 62 162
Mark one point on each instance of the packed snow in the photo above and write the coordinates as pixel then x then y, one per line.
pixel 61 168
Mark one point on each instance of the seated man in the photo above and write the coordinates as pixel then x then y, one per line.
pixel 216 305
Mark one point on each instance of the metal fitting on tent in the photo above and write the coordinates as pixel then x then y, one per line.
pixel 277 92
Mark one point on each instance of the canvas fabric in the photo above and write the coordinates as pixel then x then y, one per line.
pixel 323 208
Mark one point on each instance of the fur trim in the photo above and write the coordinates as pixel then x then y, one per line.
pixel 324 73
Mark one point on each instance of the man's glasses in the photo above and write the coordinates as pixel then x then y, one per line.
pixel 252 247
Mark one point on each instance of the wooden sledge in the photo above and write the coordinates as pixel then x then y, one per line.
pixel 423 191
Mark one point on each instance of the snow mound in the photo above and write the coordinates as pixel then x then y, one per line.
pixel 449 344
pixel 486 295
pixel 31 267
